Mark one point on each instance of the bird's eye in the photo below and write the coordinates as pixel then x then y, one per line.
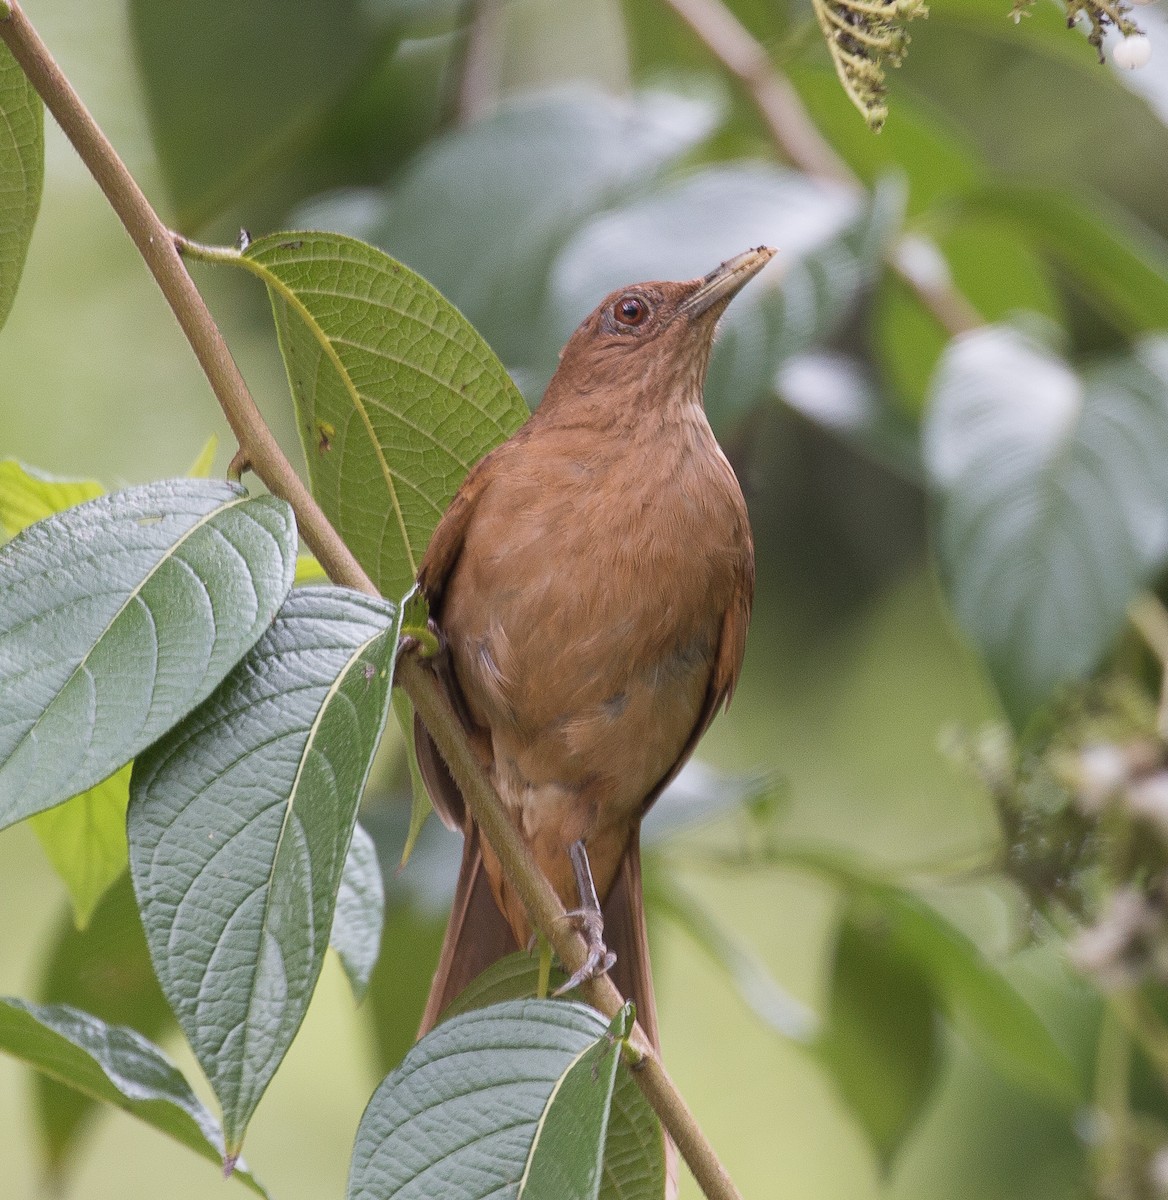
pixel 630 310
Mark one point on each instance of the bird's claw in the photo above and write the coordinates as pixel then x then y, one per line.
pixel 600 958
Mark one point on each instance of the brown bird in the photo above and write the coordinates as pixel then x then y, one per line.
pixel 593 580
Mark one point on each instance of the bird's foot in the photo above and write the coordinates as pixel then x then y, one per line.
pixel 589 922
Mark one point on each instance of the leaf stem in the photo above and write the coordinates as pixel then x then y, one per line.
pixel 798 141
pixel 159 248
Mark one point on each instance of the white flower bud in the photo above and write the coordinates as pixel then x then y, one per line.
pixel 1149 798
pixel 1132 52
pixel 1102 770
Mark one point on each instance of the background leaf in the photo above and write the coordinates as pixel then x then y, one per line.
pixel 22 169
pixel 147 598
pixel 489 248
pixel 240 822
pixel 114 1065
pixel 1120 268
pixel 360 912
pixel 1053 501
pixel 85 839
pixel 396 395
pixel 28 495
pixel 216 126
pixel 880 1043
pixel 105 971
pixel 685 229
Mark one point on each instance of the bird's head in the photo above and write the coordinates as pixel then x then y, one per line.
pixel 654 338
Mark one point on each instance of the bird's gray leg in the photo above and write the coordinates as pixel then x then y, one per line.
pixel 589 920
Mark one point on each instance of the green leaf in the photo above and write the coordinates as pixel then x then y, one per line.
pixel 880 1042
pixel 308 570
pixel 634 1152
pixel 28 495
pixel 540 165
pixel 512 977
pixel 105 971
pixel 22 173
pixel 85 840
pixel 205 459
pixel 420 806
pixel 360 911
pixel 830 246
pixel 1053 502
pixel 118 617
pixel 231 89
pixel 1120 266
pixel 396 395
pixel 756 986
pixel 410 944
pixel 974 993
pixel 567 1154
pixel 931 153
pixel 460 1115
pixel 115 1065
pixel 240 823
pixel 980 999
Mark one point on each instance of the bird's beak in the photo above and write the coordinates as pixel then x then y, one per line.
pixel 722 284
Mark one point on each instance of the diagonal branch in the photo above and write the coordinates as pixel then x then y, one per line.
pixel 259 450
pixel 918 262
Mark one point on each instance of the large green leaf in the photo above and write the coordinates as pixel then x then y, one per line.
pixel 830 246
pixel 567 1153
pixel 115 1065
pixel 1121 268
pixel 240 822
pixel 972 991
pixel 465 1113
pixel 1052 501
pixel 360 912
pixel 634 1151
pixel 22 172
pixel 104 970
pixel 232 87
pixel 118 617
pixel 540 166
pixel 880 1043
pixel 397 396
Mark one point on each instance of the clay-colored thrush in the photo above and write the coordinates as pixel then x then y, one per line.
pixel 593 580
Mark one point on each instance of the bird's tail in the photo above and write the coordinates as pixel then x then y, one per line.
pixel 477 935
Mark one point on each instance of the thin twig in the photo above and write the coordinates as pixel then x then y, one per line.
pixel 801 144
pixel 478 81
pixel 157 244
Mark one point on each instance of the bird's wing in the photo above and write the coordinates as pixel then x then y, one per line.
pixel 723 676
pixel 437 565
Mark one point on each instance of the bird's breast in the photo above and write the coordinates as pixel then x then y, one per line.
pixel 584 613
